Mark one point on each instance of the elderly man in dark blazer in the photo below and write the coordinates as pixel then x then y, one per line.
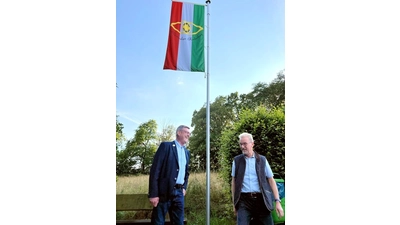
pixel 168 180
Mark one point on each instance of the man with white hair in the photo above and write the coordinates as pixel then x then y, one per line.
pixel 253 186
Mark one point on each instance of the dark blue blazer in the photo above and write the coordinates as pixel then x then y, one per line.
pixel 164 171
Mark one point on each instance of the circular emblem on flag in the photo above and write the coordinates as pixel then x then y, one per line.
pixel 186 27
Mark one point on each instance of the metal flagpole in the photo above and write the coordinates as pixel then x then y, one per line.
pixel 208 113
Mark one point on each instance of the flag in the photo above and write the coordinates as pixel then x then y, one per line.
pixel 185 49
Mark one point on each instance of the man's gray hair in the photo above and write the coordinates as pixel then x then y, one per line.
pixel 181 128
pixel 246 135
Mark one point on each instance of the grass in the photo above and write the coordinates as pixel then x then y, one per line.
pixel 133 184
pixel 221 212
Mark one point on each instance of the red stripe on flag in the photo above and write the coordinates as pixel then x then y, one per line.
pixel 171 57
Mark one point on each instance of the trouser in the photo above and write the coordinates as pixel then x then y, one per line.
pixel 174 206
pixel 252 210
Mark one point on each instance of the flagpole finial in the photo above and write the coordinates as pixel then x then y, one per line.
pixel 208 2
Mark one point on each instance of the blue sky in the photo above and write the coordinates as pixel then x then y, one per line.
pixel 247 46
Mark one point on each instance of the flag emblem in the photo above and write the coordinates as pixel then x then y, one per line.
pixel 186 27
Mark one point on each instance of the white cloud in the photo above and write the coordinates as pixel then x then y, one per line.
pixel 128 118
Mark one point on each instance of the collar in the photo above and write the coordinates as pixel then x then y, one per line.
pixel 249 157
pixel 177 144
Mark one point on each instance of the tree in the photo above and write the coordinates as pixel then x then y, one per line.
pixel 139 151
pixel 234 102
pixel 270 95
pixel 120 137
pixel 221 117
pixel 125 161
pixel 143 146
pixel 167 133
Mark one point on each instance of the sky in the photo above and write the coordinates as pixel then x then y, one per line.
pixel 246 46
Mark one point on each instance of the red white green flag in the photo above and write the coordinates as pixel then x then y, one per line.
pixel 185 50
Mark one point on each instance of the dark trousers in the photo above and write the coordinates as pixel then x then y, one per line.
pixel 174 206
pixel 252 210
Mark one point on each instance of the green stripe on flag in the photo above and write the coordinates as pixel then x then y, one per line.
pixel 197 63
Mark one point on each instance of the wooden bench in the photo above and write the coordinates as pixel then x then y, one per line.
pixel 136 202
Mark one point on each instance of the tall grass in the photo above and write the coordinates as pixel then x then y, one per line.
pixel 133 184
pixel 221 212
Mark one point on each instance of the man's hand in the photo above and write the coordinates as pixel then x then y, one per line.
pixel 154 201
pixel 234 211
pixel 184 191
pixel 279 209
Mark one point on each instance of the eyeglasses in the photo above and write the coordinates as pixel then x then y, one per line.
pixel 244 144
pixel 188 132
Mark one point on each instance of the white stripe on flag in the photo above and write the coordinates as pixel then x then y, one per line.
pixel 185 43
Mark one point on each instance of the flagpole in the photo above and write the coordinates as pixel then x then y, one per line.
pixel 208 2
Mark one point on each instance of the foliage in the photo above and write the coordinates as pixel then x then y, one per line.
pixel 119 134
pixel 270 95
pixel 268 129
pixel 143 144
pixel 125 162
pixel 224 112
pixel 139 151
pixel 221 116
pixel 167 133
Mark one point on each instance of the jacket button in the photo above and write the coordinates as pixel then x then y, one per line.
pixel 175 178
pixel 177 169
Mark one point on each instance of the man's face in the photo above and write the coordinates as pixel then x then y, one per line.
pixel 246 146
pixel 184 135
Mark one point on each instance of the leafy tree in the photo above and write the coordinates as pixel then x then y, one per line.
pixel 268 130
pixel 221 116
pixel 144 145
pixel 198 140
pixel 270 95
pixel 121 156
pixel 277 90
pixel 234 102
pixel 139 151
pixel 167 133
pixel 125 162
pixel 119 134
